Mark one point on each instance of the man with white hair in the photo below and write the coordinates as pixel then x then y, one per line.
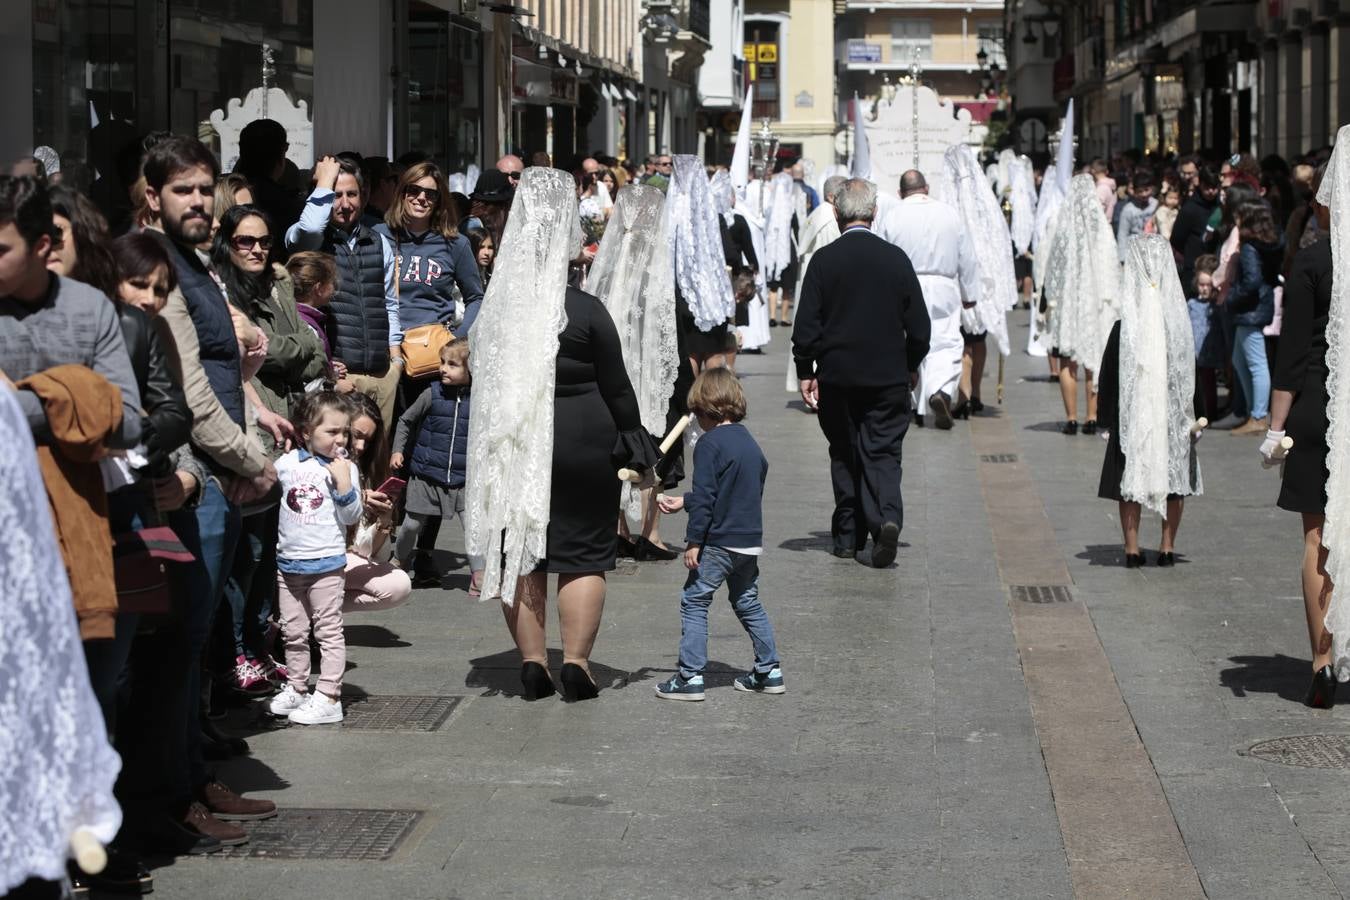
pixel 932 236
pixel 861 326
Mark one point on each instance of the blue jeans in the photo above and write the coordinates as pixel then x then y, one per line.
pixel 1251 369
pixel 740 573
pixel 252 585
pixel 214 533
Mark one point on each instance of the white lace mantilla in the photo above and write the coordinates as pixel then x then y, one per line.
pixel 1082 277
pixel 778 225
pixel 1157 378
pixel 632 275
pixel 1022 197
pixel 515 353
pixel 700 262
pixel 967 188
pixel 1335 194
pixel 56 766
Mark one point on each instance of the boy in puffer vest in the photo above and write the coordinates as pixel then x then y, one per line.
pixel 437 426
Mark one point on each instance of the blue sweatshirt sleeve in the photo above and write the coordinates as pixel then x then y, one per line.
pixel 699 502
pixel 469 280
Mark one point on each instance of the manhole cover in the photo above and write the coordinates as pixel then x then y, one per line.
pixel 1313 751
pixel 397 713
pixel 1041 593
pixel 998 457
pixel 367 834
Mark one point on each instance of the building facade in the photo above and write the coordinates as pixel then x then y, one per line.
pixel 459 80
pixel 879 42
pixel 791 62
pixel 1173 77
pixel 721 82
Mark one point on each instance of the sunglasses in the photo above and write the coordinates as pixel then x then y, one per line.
pixel 413 191
pixel 245 242
pixel 514 176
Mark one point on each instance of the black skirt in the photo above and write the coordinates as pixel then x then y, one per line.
pixel 719 339
pixel 1304 486
pixel 1113 470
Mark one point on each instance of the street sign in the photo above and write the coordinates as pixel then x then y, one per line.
pixel 860 51
pixel 768 53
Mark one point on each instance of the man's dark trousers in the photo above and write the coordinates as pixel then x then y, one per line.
pixel 864 427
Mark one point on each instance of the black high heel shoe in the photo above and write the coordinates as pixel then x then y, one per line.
pixel 1070 427
pixel 645 550
pixel 576 684
pixel 1134 560
pixel 1322 691
pixel 961 410
pixel 628 549
pixel 535 683
pixel 1167 559
pixel 1090 426
pixel 976 405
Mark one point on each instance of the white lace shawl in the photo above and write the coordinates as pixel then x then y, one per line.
pixel 632 275
pixel 1157 378
pixel 1023 199
pixel 696 238
pixel 1082 277
pixel 1335 194
pixel 471 177
pixel 779 206
pixel 58 768
pixel 515 351
pixel 967 188
pixel 724 193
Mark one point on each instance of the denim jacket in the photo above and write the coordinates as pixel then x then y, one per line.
pixel 1252 299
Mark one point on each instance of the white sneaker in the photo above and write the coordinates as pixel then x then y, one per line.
pixel 319 709
pixel 286 702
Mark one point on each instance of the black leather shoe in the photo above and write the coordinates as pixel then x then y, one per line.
pixel 627 548
pixel 844 553
pixel 535 683
pixel 1322 691
pixel 123 874
pixel 976 405
pixel 773 323
pixel 1090 426
pixel 647 551
pixel 1167 559
pixel 1070 427
pixel 941 405
pixel 1134 560
pixel 576 684
pixel 888 539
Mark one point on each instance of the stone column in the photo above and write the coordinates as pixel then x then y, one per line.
pixel 353 52
pixel 1289 133
pixel 16 73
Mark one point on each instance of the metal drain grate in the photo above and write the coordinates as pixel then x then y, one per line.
pixel 1041 593
pixel 397 713
pixel 365 834
pixel 998 457
pixel 1312 751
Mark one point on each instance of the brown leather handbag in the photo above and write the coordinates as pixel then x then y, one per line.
pixel 422 349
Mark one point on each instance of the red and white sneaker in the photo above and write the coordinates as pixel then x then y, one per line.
pixel 248 677
pixel 273 671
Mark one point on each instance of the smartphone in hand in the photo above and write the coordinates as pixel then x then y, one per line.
pixel 393 488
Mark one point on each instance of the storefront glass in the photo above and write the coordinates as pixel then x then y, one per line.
pixel 445 92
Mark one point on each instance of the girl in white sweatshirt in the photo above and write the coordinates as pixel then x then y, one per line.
pixel 320 498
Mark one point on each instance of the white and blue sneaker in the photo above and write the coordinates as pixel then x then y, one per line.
pixel 755 683
pixel 679 689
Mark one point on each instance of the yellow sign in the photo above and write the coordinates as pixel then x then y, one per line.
pixel 768 53
pixel 748 51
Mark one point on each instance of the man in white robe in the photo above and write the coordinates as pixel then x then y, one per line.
pixel 821 228
pixel 940 249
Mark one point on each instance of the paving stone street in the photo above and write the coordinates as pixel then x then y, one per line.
pixel 1007 712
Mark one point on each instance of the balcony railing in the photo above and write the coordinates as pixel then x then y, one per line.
pixel 698 18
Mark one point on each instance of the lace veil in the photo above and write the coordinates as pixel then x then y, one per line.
pixel 58 767
pixel 1335 194
pixel 1023 199
pixel 1157 378
pixel 1082 277
pixel 780 205
pixel 515 351
pixel 724 193
pixel 633 277
pixel 967 188
pixel 700 261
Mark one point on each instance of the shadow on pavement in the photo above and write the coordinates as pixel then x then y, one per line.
pixel 372 636
pixel 1045 426
pixel 1279 674
pixel 499 674
pixel 1113 555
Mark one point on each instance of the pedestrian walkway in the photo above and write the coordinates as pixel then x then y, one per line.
pixel 941 736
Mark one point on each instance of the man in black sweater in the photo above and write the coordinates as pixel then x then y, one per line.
pixel 861 328
pixel 1192 224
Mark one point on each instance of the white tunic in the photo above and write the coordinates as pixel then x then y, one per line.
pixel 821 228
pixel 943 257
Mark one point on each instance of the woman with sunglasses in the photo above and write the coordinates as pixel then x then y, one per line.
pixel 431 259
pixel 263 293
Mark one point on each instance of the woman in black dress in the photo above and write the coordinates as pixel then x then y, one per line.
pixel 518 444
pixel 1298 407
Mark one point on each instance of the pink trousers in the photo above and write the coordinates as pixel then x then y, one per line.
pixel 373 586
pixel 313 601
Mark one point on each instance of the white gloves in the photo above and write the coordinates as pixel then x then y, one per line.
pixel 1272 454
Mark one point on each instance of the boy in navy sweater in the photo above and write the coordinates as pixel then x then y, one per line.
pixel 723 539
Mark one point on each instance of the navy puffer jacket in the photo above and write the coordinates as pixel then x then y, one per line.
pixel 440 452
